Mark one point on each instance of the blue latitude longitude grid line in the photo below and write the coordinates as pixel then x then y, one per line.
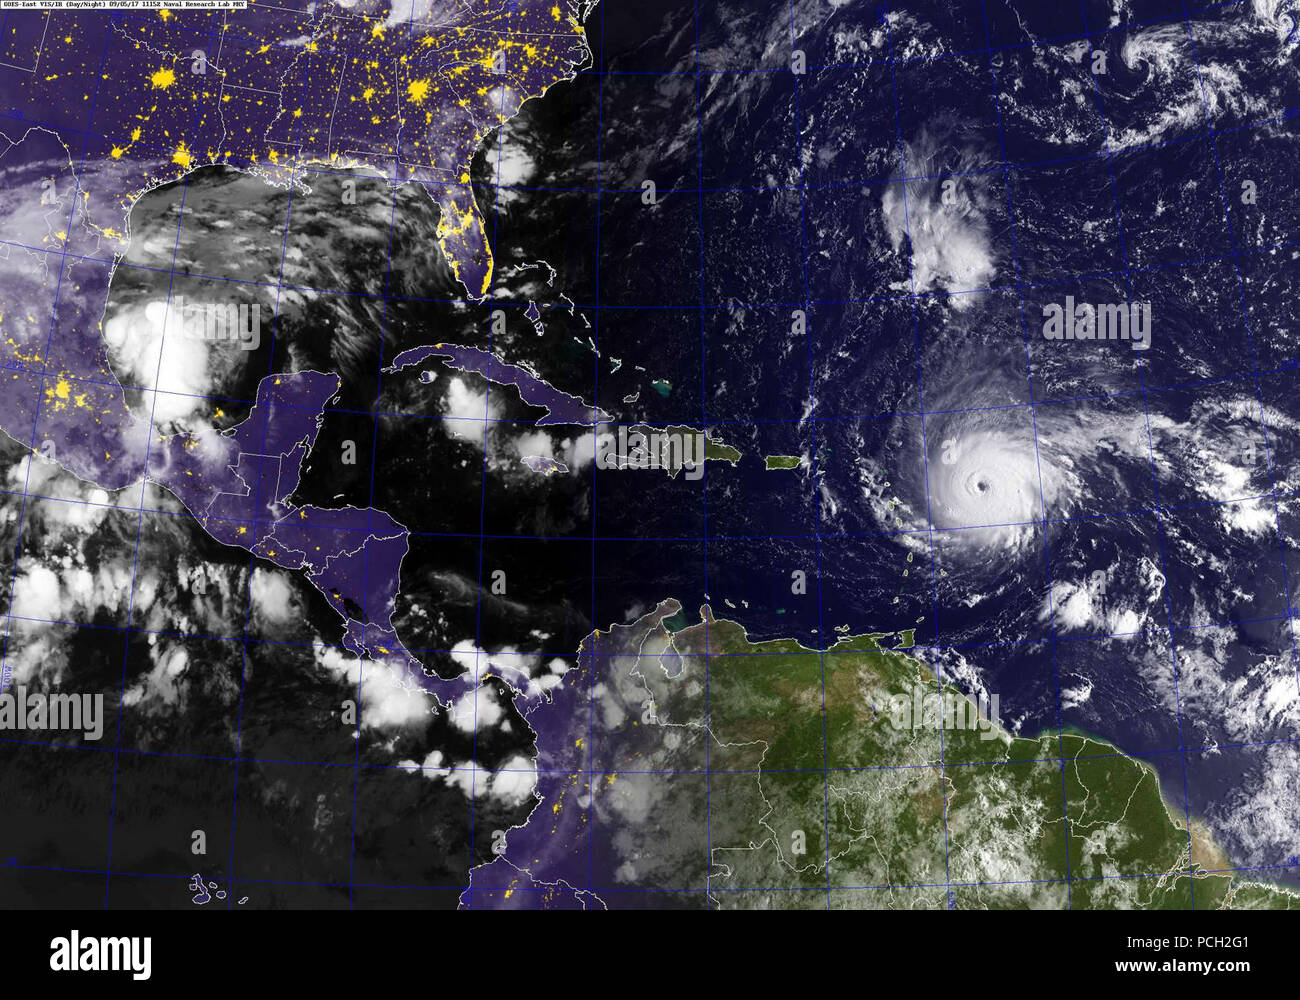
pixel 253 43
pixel 370 506
pixel 145 144
pixel 1287 367
pixel 1149 754
pixel 1125 514
pixel 1154 630
pixel 144 484
pixel 815 506
pixel 38 396
pixel 252 558
pixel 1128 514
pixel 704 493
pixel 459 887
pixel 597 62
pixel 1155 479
pixel 925 448
pixel 1182 750
pixel 1038 463
pixel 480 664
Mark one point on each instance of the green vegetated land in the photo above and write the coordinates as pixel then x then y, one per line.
pixel 857 802
pixel 717 451
pixel 783 462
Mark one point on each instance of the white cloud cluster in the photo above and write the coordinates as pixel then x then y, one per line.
pixel 386 702
pixel 526 673
pixel 512 784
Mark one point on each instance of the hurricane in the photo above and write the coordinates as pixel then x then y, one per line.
pixel 984 485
